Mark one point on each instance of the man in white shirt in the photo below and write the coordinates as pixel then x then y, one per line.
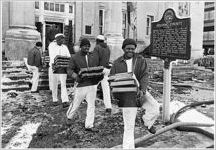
pixel 58 48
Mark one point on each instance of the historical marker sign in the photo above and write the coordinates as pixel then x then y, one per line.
pixel 170 37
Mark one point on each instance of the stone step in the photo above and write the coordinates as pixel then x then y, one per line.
pixel 13 63
pixel 18 77
pixel 9 67
pixel 19 82
pixel 44 70
pixel 25 87
pixel 20 88
pixel 13 71
pixel 211 68
pixel 46 87
pixel 25 82
pixel 45 76
pixel 46 81
pixel 21 70
pixel 43 87
pixel 24 76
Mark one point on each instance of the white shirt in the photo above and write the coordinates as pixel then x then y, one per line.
pixel 54 49
pixel 129 65
pixel 129 69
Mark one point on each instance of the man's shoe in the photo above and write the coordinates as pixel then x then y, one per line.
pixel 152 130
pixel 55 103
pixel 91 129
pixel 65 104
pixel 35 91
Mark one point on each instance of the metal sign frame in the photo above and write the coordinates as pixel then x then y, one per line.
pixel 171 37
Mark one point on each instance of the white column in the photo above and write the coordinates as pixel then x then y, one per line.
pixel 42 20
pixel 22 35
pixel 166 93
pixel 214 55
pixel 22 14
pixel 113 28
pixel 66 14
pixel 1 42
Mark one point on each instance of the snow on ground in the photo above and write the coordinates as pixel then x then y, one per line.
pixel 23 138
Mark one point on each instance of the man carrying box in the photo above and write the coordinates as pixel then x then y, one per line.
pixel 58 49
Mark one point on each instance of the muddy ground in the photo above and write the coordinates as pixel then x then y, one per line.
pixel 22 108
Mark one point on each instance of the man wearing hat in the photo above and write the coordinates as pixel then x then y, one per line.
pixel 104 57
pixel 130 62
pixel 58 48
pixel 86 87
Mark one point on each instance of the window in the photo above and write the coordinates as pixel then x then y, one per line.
pixel 87 29
pixel 184 9
pixel 148 24
pixel 124 17
pixel 62 8
pixel 209 3
pixel 206 16
pixel 52 6
pixel 70 9
pixel 56 7
pixel 209 15
pixel 101 20
pixel 211 35
pixel 205 36
pixel 208 36
pixel 36 5
pixel 46 6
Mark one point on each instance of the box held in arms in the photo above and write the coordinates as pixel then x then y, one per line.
pixel 122 82
pixel 124 89
pixel 95 74
pixel 60 64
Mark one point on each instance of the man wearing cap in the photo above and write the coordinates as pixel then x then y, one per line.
pixel 34 63
pixel 86 87
pixel 104 57
pixel 58 48
pixel 130 62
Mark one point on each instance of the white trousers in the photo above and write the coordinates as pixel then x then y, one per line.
pixel 88 92
pixel 54 84
pixel 35 77
pixel 106 92
pixel 152 111
pixel 50 78
pixel 129 116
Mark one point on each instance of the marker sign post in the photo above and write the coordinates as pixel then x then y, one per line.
pixel 170 40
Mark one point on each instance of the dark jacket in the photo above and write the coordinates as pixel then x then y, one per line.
pixel 141 72
pixel 34 57
pixel 104 54
pixel 78 61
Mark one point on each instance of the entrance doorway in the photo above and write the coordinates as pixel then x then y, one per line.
pixel 52 28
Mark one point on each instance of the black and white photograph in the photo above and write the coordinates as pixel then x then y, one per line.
pixel 107 74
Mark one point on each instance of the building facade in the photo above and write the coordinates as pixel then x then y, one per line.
pixel 29 22
pixel 209 31
pixel 54 17
pixel 115 20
